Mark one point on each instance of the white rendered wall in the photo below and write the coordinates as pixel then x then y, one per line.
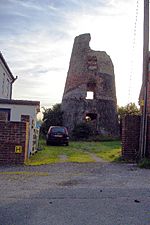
pixel 5 82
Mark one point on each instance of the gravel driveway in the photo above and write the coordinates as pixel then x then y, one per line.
pixel 75 194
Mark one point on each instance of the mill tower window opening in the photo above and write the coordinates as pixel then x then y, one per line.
pixel 90 95
pixel 91 86
pixel 90 116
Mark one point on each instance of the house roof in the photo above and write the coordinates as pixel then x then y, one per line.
pixel 19 102
pixel 6 66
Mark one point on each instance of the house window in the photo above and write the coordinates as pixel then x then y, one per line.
pixel 4 115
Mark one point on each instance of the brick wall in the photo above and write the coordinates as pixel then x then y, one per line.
pixel 25 118
pixel 130 137
pixel 12 136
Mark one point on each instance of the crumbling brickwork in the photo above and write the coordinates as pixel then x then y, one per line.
pixel 12 136
pixel 90 72
pixel 130 137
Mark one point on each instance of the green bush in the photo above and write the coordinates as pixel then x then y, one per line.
pixel 82 131
pixel 51 117
pixel 103 138
pixel 144 163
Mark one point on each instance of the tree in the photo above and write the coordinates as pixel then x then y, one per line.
pixel 81 131
pixel 129 109
pixel 51 117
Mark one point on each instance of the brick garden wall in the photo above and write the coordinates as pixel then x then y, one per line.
pixel 130 137
pixel 12 134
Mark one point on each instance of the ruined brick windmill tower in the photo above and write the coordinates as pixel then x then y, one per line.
pixel 90 94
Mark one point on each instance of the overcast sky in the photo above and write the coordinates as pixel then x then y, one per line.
pixel 37 36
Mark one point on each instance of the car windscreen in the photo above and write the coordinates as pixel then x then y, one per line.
pixel 58 130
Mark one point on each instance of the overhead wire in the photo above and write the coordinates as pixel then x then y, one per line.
pixel 133 49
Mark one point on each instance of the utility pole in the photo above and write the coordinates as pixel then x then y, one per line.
pixel 143 129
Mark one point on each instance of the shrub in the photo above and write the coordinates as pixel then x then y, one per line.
pixel 144 163
pixel 51 117
pixel 82 131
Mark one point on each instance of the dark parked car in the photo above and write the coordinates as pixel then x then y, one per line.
pixel 57 135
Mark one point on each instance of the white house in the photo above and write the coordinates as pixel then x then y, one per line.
pixel 16 110
pixel 6 79
pixel 22 110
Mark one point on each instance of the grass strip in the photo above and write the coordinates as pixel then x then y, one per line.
pixel 76 152
pixel 25 173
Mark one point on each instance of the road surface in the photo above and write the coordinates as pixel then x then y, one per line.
pixel 75 194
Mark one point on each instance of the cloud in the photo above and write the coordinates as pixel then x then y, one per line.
pixel 29 4
pixel 37 37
